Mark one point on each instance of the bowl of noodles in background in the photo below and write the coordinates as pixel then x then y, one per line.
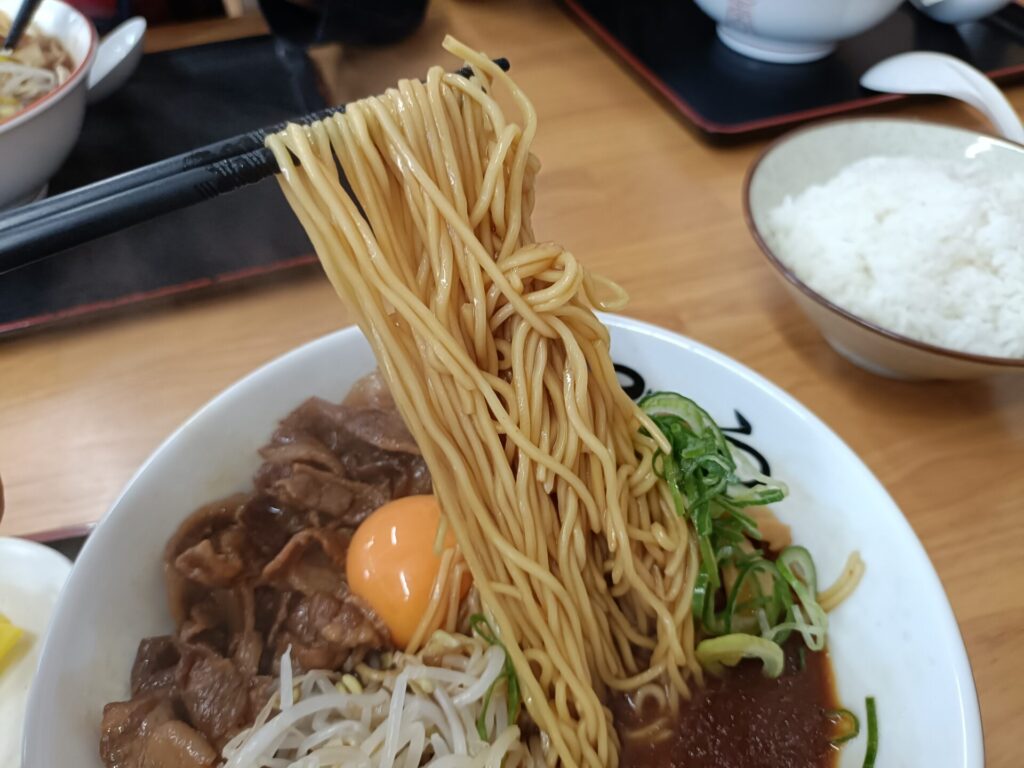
pixel 43 88
pixel 895 638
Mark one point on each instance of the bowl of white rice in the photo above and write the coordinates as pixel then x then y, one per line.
pixel 903 241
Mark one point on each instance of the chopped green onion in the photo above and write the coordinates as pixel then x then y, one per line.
pixel 711 484
pixel 728 650
pixel 741 617
pixel 479 624
pixel 872 750
pixel 846 724
pixel 798 563
pixel 797 568
pixel 684 409
pixel 742 496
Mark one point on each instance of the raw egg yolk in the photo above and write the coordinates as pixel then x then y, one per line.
pixel 392 565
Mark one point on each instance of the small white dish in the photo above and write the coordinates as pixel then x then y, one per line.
pixel 895 639
pixel 792 31
pixel 31 577
pixel 117 58
pixel 813 155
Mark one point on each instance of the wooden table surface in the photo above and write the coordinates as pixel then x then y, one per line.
pixel 629 189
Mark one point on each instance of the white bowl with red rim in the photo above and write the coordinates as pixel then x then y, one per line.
pixel 816 153
pixel 35 141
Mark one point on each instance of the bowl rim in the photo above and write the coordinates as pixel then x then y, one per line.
pixel 77 74
pixel 796 282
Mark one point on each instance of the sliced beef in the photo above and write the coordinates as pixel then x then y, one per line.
pixel 269 526
pixel 404 474
pixel 189 578
pixel 377 451
pixel 313 561
pixel 374 418
pixel 331 632
pixel 220 618
pixel 247 652
pixel 214 694
pixel 357 628
pixel 127 724
pixel 382 429
pixel 271 611
pixel 175 744
pixel 156 664
pixel 335 499
pixel 261 688
pixel 204 523
pixel 371 393
pixel 216 561
pixel 301 449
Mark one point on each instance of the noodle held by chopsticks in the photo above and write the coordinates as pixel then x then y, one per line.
pixel 543 467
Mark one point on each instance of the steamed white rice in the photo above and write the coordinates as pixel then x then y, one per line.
pixel 933 251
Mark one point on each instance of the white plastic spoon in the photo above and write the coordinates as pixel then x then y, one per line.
pixel 943 75
pixel 117 57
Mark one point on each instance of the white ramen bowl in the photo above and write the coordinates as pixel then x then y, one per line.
pixel 35 142
pixel 792 31
pixel 895 638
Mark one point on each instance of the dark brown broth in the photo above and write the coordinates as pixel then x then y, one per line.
pixel 744 720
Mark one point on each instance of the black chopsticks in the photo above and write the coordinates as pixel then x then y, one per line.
pixel 21 22
pixel 40 229
pixel 196 158
pixel 42 237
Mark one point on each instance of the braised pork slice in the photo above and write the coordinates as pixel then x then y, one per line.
pixel 127 725
pixel 175 744
pixel 156 664
pixel 214 694
pixel 331 632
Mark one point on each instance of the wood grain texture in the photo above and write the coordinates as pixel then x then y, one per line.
pixel 632 192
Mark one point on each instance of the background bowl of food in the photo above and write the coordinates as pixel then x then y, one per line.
pixel 43 96
pixel 793 31
pixel 59 64
pixel 901 240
